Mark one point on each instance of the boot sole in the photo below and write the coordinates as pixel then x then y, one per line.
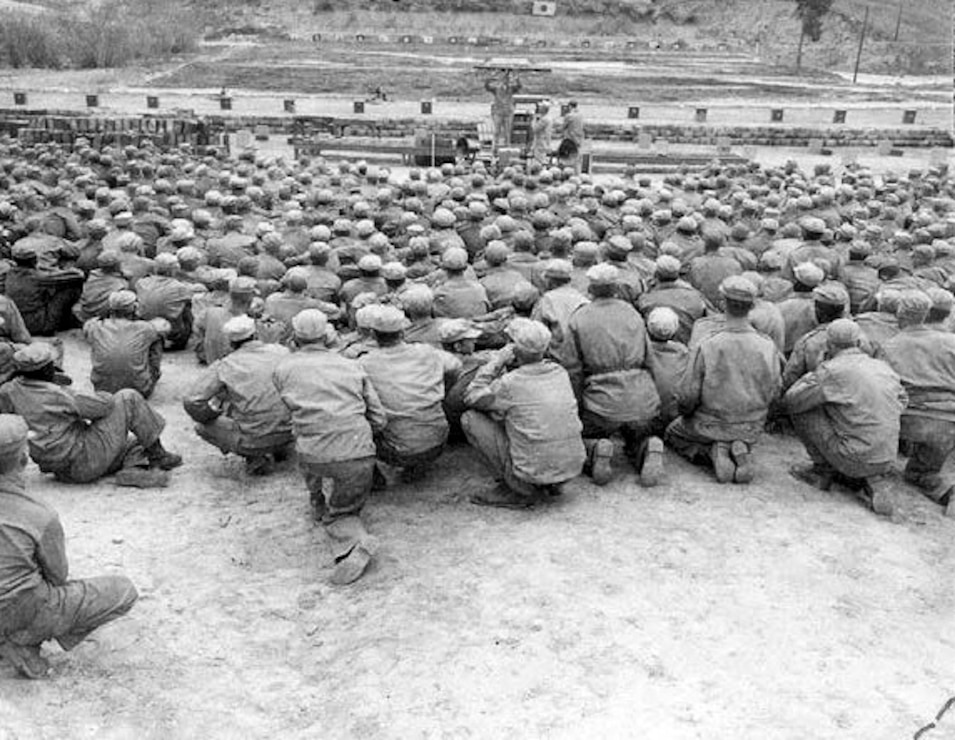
pixel 741 456
pixel 723 465
pixel 603 453
pixel 652 472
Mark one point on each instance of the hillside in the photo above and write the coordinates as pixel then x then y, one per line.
pixel 766 28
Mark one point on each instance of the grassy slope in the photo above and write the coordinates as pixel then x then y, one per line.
pixel 766 27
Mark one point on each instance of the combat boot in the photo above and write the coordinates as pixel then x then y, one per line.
pixel 160 457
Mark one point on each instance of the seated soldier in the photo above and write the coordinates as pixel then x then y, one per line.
pixel 411 380
pixel 924 358
pixel 523 420
pixel 667 360
pixel 236 404
pixel 458 336
pixel 165 296
pixel 458 296
pixel 335 412
pixel 847 414
pixel 81 438
pixel 101 283
pixel 732 378
pixel 44 296
pixel 609 369
pixel 38 602
pixel 125 351
pixel 211 342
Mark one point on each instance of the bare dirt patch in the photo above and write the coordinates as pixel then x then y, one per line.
pixel 688 611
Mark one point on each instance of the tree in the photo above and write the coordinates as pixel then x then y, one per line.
pixel 810 13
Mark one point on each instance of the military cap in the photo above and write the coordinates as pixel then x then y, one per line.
pixel 603 274
pixel 942 300
pixel 239 328
pixel 686 225
pixel 739 232
pixel 320 233
pixel 370 263
pixel 528 335
pixel 129 242
pixel 188 255
pixel 558 268
pixel 243 285
pixel 831 293
pixel 454 258
pixel 812 225
pixel 496 253
pixel 13 434
pixel 108 258
pixel 619 246
pixel 843 333
pixel 393 271
pixel 506 224
pixel 121 299
pixel 671 249
pixel 296 279
pixel 542 219
pixel 365 227
pixel 97 226
pixel 390 320
pixel 22 251
pixel 847 232
pixel 667 267
pixel 34 356
pixel 925 252
pixel 443 218
pixel 455 330
pixel 367 315
pixel 738 288
pixel 663 323
pixel 771 260
pixel 310 324
pixel 166 260
pixel 913 305
pixel 417 298
pixel 525 295
pixel 808 274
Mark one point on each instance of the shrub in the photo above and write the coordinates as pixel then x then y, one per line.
pixel 112 33
pixel 28 40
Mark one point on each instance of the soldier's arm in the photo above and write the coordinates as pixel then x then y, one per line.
pixel 450 367
pixel 92 407
pixel 572 361
pixel 197 399
pixel 688 397
pixel 795 366
pixel 483 392
pixel 805 395
pixel 14 326
pixel 374 411
pixel 51 554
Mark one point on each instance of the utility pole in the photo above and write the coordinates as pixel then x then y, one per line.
pixel 898 21
pixel 865 26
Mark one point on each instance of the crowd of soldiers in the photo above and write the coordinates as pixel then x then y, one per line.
pixel 364 323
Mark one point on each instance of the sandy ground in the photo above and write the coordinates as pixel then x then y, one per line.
pixel 687 611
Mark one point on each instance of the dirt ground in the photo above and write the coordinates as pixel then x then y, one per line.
pixel 687 611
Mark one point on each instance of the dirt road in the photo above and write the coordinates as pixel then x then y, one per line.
pixel 688 611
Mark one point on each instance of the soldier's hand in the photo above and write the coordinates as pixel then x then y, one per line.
pixel 505 355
